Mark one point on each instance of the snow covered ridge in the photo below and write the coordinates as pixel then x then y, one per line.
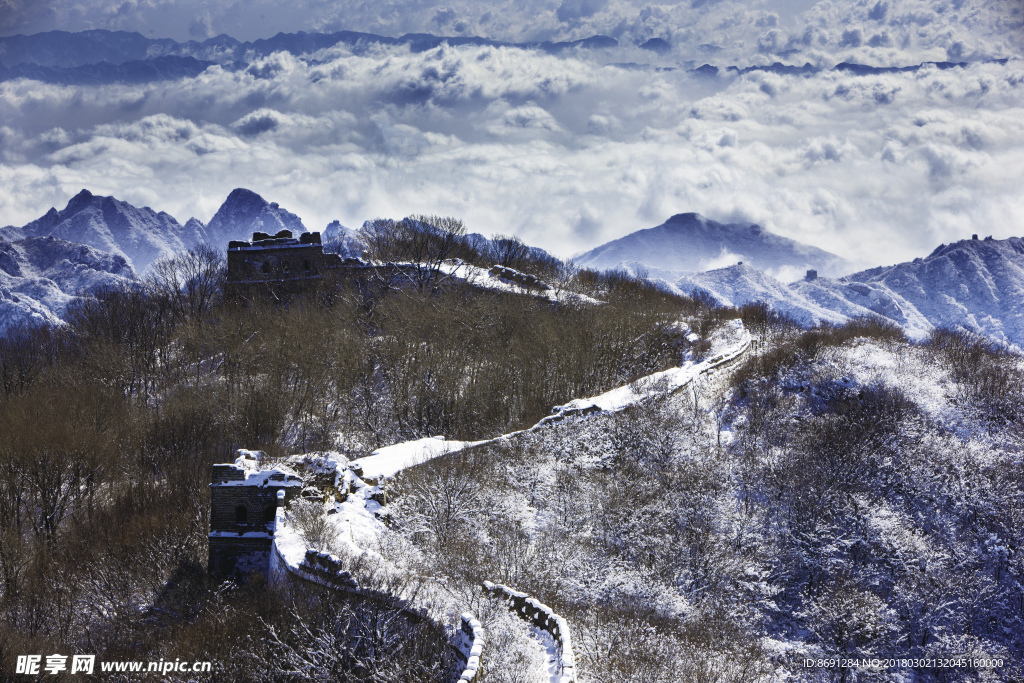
pixel 139 235
pixel 41 276
pixel 976 284
pixel 543 617
pixel 691 242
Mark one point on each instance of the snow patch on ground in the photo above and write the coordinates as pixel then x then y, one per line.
pixel 481 277
pixel 390 460
pixel 903 367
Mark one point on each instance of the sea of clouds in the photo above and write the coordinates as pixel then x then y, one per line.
pixel 566 151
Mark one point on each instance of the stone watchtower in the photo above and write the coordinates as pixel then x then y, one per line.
pixel 288 264
pixel 243 504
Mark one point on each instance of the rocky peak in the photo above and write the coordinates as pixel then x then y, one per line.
pixel 245 212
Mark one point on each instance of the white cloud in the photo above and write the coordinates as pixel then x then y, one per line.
pixel 724 258
pixel 562 150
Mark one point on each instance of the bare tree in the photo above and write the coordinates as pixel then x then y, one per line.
pixel 426 242
pixel 509 251
pixel 189 281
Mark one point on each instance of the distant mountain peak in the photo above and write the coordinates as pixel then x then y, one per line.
pixel 689 242
pixel 245 212
pixel 689 217
pixel 80 200
pixel 140 235
pixel 241 195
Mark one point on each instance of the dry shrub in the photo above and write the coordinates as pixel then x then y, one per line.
pixel 809 344
pixel 310 521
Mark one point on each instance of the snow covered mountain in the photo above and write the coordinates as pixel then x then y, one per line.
pixel 140 235
pixel 245 212
pixel 974 284
pixel 41 276
pixel 342 240
pixel 100 241
pixel 691 242
pixel 740 284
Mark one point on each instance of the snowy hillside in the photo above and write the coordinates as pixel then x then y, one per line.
pixel 691 242
pixel 975 284
pixel 807 301
pixel 741 284
pixel 41 276
pixel 140 235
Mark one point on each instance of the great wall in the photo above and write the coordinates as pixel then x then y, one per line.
pixel 241 489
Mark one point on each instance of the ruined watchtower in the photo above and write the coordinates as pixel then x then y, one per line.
pixel 288 263
pixel 244 501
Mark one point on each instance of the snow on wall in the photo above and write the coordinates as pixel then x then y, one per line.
pixel 471 647
pixel 388 461
pixel 289 555
pixel 325 569
pixel 659 383
pixel 485 279
pixel 543 617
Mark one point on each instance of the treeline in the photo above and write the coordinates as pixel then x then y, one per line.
pixel 429 240
pixel 110 424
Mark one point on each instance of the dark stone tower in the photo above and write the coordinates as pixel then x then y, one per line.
pixel 243 503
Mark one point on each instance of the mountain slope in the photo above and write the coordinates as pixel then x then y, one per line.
pixel 741 284
pixel 41 276
pixel 691 242
pixel 975 284
pixel 140 235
